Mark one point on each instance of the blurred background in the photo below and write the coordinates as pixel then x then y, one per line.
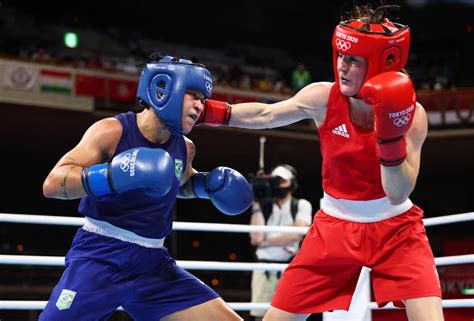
pixel 64 65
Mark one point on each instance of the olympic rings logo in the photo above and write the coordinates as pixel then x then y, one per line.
pixel 209 87
pixel 125 162
pixel 342 44
pixel 401 121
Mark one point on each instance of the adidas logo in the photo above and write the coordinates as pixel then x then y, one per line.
pixel 341 130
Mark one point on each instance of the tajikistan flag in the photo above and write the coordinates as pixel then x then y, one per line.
pixel 55 81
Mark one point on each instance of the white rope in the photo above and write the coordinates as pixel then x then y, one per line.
pixel 209 227
pixel 456 259
pixel 451 303
pixel 207 265
pixel 236 306
pixel 40 305
pixel 236 228
pixel 189 265
pixel 231 266
pixel 32 260
pixel 41 219
pixel 448 219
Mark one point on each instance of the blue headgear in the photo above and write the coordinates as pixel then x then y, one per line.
pixel 163 84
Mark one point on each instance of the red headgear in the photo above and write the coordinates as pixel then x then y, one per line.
pixel 383 41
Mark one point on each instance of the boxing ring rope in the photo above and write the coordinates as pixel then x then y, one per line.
pixel 209 227
pixel 39 305
pixel 206 265
pixel 223 266
pixel 237 306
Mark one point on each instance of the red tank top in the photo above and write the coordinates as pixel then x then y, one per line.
pixel 350 168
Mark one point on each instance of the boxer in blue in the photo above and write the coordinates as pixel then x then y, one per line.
pixel 128 170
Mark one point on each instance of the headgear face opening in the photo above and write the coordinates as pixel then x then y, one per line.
pixel 385 45
pixel 163 84
pixel 286 172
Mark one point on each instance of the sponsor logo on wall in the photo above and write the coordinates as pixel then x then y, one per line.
pixel 19 77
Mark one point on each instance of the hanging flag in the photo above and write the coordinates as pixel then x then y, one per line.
pixel 123 90
pixel 19 77
pixel 55 81
pixel 88 85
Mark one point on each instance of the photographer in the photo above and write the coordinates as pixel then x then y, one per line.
pixel 275 205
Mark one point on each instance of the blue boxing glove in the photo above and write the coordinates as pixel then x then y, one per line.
pixel 227 189
pixel 149 168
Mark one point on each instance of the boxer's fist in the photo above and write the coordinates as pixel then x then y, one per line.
pixel 149 168
pixel 394 103
pixel 227 189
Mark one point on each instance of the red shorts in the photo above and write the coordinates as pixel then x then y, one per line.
pixel 323 275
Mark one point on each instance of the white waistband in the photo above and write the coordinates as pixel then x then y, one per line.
pixel 107 229
pixel 363 211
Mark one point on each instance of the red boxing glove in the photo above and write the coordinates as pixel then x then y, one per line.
pixel 216 113
pixel 394 102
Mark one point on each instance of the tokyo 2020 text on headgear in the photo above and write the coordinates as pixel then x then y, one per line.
pixel 385 45
pixel 163 84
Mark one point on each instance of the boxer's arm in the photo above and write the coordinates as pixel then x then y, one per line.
pixel 257 218
pixel 96 146
pixel 186 189
pixel 302 219
pixel 399 181
pixel 285 239
pixel 308 103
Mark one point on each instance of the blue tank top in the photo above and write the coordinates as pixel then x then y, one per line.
pixel 134 210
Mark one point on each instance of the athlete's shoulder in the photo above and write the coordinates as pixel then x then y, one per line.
pixel 419 127
pixel 317 93
pixel 317 88
pixel 102 136
pixel 321 85
pixel 105 127
pixel 190 148
pixel 314 98
pixel 189 142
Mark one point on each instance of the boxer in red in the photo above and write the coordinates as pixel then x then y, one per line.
pixel 371 133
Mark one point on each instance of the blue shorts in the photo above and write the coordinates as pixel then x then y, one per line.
pixel 103 273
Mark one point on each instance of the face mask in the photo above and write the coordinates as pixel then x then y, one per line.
pixel 281 192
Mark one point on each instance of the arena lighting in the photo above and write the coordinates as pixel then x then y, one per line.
pixel 467 291
pixel 71 39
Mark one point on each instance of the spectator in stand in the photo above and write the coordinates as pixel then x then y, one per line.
pixel 265 84
pixel 41 55
pixel 300 77
pixel 246 82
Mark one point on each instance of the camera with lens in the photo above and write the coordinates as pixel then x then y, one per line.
pixel 263 186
